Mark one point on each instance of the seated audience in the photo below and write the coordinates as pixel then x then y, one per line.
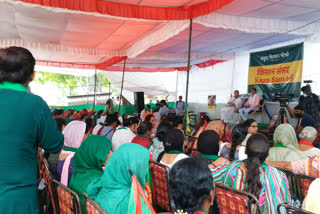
pixel 156 146
pixel 311 201
pixel 100 124
pixel 251 105
pixel 200 126
pixel 304 119
pixel 152 119
pixel 252 126
pixel 122 118
pixel 110 124
pixel 285 145
pixel 178 123
pixel 97 116
pixel 74 134
pixel 208 147
pixel 268 184
pixel 307 137
pixel 58 113
pixel 126 133
pixel 173 143
pixel 144 111
pixel 233 105
pixel 112 190
pixel 144 133
pixel 88 163
pixel 308 166
pixel 191 186
pixel 219 127
pixel 235 150
pixel 61 123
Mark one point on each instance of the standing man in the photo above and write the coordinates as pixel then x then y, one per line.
pixel 164 108
pixel 250 105
pixel 232 106
pixel 144 111
pixel 180 106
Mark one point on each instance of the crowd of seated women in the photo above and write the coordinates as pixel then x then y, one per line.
pixel 236 156
pixel 98 153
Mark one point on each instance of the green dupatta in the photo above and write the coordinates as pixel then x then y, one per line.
pixel 112 190
pixel 87 163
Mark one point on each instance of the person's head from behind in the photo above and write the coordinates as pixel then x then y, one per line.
pixel 200 122
pixel 145 128
pixel 148 108
pixel 236 93
pixel 100 112
pixel 308 133
pixel 252 126
pixel 131 123
pixel 253 91
pixel 178 123
pixel 58 113
pixel 16 65
pixel 111 120
pixel 257 150
pixel 239 133
pixel 191 185
pixel 298 111
pixel 61 123
pixel 83 117
pixel 76 132
pixel 152 119
pixel 180 98
pixel 208 142
pixel 124 116
pixel 162 131
pixel 174 140
pixel 163 103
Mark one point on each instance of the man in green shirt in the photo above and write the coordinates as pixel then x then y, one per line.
pixel 26 124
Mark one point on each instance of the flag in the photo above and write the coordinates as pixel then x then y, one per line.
pixel 138 201
pixel 188 129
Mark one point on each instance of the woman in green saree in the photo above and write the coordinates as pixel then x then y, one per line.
pixel 87 163
pixel 112 190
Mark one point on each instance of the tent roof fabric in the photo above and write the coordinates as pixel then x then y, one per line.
pixel 62 33
pixel 140 9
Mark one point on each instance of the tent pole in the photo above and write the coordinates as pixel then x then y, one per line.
pixel 188 70
pixel 124 68
pixel 95 88
pixel 109 90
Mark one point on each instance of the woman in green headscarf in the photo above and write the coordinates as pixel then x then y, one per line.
pixel 87 163
pixel 285 145
pixel 112 190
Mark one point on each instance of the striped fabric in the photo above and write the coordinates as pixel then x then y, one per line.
pixel 218 173
pixel 275 189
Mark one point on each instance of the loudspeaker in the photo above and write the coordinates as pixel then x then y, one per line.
pixel 138 101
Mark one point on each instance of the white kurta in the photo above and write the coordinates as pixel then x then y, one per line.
pixel 228 111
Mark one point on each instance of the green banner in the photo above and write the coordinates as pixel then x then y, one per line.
pixel 277 70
